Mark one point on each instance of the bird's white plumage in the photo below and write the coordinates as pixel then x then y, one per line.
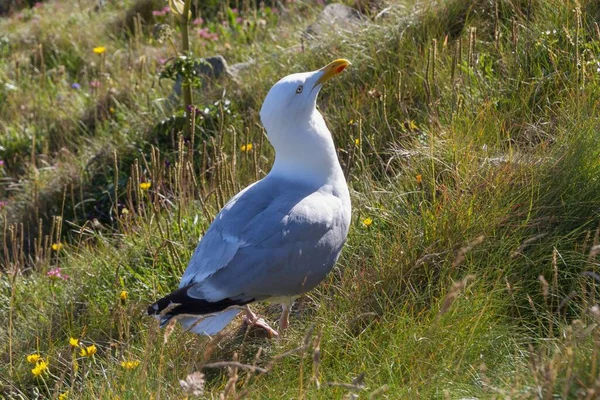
pixel 280 236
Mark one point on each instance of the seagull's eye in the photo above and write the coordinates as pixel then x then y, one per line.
pixel 299 90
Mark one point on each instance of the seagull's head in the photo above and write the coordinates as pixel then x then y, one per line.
pixel 292 101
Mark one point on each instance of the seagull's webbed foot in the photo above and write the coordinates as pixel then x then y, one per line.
pixel 253 320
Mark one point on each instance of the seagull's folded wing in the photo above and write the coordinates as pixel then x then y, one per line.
pixel 269 241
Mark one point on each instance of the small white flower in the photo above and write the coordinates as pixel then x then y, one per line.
pixel 193 384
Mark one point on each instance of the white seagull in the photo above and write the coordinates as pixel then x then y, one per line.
pixel 279 237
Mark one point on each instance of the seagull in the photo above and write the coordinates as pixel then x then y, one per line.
pixel 279 237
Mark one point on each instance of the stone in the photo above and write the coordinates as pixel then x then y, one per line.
pixel 207 69
pixel 236 69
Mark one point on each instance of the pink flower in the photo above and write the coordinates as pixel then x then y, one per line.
pixel 206 34
pixel 55 274
pixel 239 20
pixel 234 10
pixel 38 4
pixel 160 13
pixel 3 204
pixel 198 21
pixel 95 84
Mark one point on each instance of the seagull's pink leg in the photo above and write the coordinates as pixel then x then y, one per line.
pixel 284 321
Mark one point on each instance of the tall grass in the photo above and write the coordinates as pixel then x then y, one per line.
pixel 468 133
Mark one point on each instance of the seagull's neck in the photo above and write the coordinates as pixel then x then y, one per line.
pixel 306 154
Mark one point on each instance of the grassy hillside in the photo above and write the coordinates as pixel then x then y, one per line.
pixel 468 130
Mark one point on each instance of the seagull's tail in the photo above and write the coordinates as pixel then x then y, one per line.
pixel 209 325
pixel 189 311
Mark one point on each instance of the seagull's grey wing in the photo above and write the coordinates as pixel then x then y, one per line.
pixel 220 242
pixel 232 227
pixel 293 250
pixel 270 240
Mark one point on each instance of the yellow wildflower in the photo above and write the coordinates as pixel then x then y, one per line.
pixel 130 364
pixel 88 351
pixel 74 342
pixel 419 179
pixel 111 110
pixel 34 358
pixel 124 211
pixel 246 147
pixel 367 222
pixel 57 246
pixel 123 295
pixel 145 185
pixel 40 368
pixel 350 122
pixel 64 396
pixel 99 49
pixel 357 141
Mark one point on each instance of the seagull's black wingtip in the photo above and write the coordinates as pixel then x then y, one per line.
pixel 179 302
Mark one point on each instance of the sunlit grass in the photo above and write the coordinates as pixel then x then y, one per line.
pixel 469 134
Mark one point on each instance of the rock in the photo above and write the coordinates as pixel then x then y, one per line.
pixel 207 68
pixel 335 17
pixel 236 69
pixel 212 67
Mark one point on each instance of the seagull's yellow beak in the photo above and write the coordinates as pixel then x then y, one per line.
pixel 331 70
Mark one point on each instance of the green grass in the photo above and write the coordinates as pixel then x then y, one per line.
pixel 477 162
